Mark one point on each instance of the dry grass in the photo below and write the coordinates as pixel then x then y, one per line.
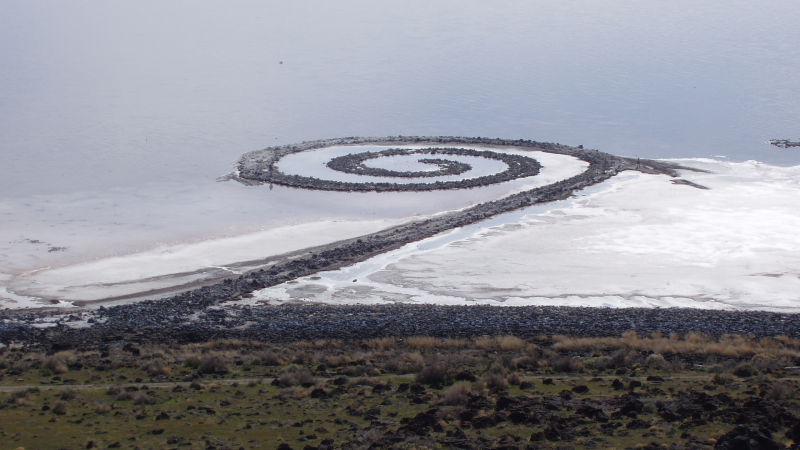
pixel 215 363
pixel 293 376
pixel 496 381
pixel 380 343
pixel 338 360
pixel 102 408
pixel 365 381
pixel 503 343
pixel 59 408
pixel 452 344
pixel 421 342
pixel 294 393
pixel 510 343
pixel 158 367
pixel 67 394
pixel 270 358
pixel 432 374
pixel 405 363
pixel 568 365
pixel 143 399
pixel 656 361
pixel 57 363
pixel 781 390
pixel 692 343
pixel 457 395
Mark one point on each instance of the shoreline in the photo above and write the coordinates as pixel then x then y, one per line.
pixel 171 321
pixel 170 315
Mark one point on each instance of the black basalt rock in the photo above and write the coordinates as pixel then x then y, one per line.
pixel 747 438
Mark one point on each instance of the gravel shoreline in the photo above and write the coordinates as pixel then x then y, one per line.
pixel 175 322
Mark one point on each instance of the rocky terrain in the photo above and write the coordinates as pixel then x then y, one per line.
pixel 672 393
pixel 784 143
pixel 199 318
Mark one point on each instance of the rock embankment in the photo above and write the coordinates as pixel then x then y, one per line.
pixel 196 319
pixel 784 143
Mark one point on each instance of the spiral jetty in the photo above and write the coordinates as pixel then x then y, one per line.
pixel 196 315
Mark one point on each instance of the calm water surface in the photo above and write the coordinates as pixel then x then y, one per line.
pixel 95 95
pixel 116 118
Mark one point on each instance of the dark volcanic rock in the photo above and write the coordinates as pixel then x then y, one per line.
pixel 747 438
pixel 421 425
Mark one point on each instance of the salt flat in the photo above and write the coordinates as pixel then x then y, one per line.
pixel 634 240
pixel 143 244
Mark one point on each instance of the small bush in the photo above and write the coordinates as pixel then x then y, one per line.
pixel 599 363
pixel 405 363
pixel 567 365
pixel 293 376
pixel 656 361
pixel 781 390
pixel 60 408
pixel 293 393
pixel 304 358
pixel 507 360
pixel 270 358
pixel 67 394
pixel 158 367
pixel 55 363
pixel 745 370
pixel 432 374
pixel 527 361
pixel 510 343
pixel 143 399
pixel 496 381
pixel 765 361
pixel 338 360
pixel 457 395
pixel 722 378
pixel 514 379
pixel 125 395
pixel 192 363
pixel 114 390
pixel 214 363
pixel 102 408
pixel 622 359
pixel 20 398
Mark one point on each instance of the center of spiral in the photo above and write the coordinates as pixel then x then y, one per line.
pixel 354 163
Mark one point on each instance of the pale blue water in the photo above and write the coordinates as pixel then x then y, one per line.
pixel 95 95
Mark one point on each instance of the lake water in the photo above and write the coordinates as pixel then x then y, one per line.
pixel 97 94
pixel 116 119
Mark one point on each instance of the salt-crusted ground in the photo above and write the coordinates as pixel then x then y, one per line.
pixel 92 246
pixel 635 240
